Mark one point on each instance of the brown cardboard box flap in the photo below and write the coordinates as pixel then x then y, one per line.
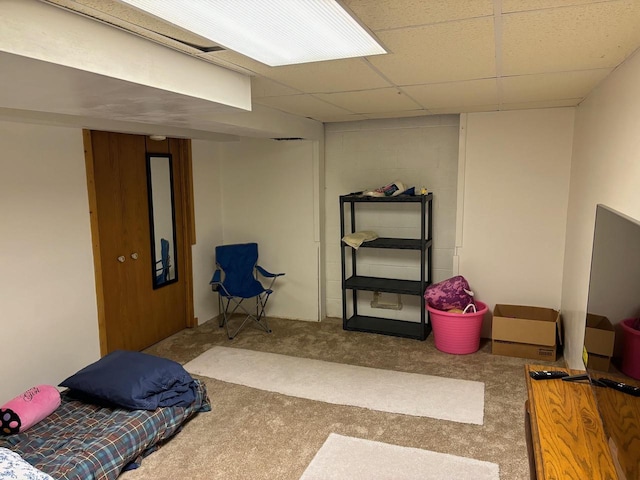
pixel 526 325
pixel 599 336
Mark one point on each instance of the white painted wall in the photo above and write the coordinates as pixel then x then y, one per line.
pixel 269 196
pixel 208 217
pixel 420 151
pixel 48 307
pixel 605 169
pixel 514 209
pixel 48 283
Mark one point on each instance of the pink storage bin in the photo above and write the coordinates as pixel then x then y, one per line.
pixel 630 349
pixel 457 333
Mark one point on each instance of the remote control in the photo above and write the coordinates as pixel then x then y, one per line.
pixel 622 387
pixel 547 374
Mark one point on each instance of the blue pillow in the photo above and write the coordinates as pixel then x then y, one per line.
pixel 134 380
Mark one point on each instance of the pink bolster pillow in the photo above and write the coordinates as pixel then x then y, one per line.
pixel 28 408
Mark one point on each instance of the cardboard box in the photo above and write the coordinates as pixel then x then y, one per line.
pixel 599 339
pixel 524 350
pixel 599 363
pixel 600 336
pixel 526 332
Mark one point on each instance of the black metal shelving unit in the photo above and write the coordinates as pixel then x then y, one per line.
pixel 355 283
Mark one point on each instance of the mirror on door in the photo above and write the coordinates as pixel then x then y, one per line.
pixel 162 219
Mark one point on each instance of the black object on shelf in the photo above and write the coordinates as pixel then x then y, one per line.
pixel 580 377
pixel 547 374
pixel 355 283
pixel 621 387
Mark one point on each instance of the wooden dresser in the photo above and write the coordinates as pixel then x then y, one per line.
pixel 565 437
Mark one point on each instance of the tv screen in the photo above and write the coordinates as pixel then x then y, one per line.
pixel 612 344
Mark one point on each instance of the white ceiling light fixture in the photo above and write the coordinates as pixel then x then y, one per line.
pixel 274 32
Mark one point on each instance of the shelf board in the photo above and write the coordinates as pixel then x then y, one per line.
pixel 389 285
pixel 396 243
pixel 386 326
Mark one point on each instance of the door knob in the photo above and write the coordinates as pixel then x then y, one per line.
pixel 121 258
pixel 134 255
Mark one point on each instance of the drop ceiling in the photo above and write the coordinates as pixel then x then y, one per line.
pixel 445 56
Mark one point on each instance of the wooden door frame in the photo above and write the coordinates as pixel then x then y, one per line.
pixel 187 234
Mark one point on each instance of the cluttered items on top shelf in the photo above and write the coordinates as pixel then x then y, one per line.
pixel 393 189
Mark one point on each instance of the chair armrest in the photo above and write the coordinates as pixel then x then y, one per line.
pixel 217 275
pixel 216 280
pixel 264 273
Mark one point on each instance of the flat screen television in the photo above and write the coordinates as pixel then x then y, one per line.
pixel 614 296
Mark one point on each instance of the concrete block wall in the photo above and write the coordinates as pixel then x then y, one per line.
pixel 419 151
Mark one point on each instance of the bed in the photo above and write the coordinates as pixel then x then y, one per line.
pixel 85 441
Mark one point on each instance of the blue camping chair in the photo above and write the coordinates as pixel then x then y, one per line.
pixel 163 265
pixel 235 280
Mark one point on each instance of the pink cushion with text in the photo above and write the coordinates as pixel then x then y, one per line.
pixel 28 408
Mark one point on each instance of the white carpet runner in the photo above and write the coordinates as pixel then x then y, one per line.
pixel 348 458
pixel 337 383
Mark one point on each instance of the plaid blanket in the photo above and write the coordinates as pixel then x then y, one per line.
pixel 82 441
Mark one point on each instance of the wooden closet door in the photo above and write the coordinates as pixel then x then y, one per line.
pixel 169 302
pixel 134 315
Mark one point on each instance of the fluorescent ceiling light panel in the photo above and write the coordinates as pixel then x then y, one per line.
pixel 274 32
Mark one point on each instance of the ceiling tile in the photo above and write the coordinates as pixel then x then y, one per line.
pixel 550 86
pixel 598 35
pixel 371 101
pixel 568 102
pixel 467 109
pixel 303 105
pixel 525 5
pixel 263 87
pixel 381 15
pixel 471 92
pixel 462 50
pixel 328 77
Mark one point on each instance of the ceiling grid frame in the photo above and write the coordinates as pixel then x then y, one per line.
pixel 444 57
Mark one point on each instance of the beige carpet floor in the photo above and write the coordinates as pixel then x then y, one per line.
pixel 254 434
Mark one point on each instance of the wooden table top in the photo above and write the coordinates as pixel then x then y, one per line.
pixel 567 434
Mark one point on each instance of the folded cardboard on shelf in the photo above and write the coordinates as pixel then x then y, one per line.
pixel 526 332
